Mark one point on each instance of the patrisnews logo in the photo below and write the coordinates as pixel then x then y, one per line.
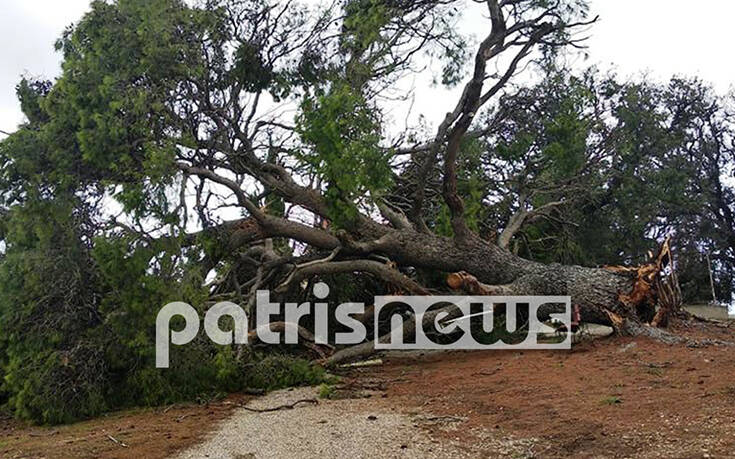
pixel 399 322
pixel 437 327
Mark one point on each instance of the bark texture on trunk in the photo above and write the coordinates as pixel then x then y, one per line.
pixel 634 300
pixel 594 290
pixel 614 295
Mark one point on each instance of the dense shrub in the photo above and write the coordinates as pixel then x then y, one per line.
pixel 78 326
pixel 279 371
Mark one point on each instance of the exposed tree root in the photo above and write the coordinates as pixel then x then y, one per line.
pixel 633 328
pixel 655 291
pixel 715 322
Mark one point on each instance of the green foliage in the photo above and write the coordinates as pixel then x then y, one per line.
pixel 79 326
pixel 30 94
pixel 117 102
pixel 78 302
pixel 48 388
pixel 455 58
pixel 566 143
pixel 344 133
pixel 327 391
pixel 79 322
pixel 48 287
pixel 633 162
pixel 279 371
pixel 250 68
pixel 364 20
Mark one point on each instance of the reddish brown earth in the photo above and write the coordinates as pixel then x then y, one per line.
pixel 147 434
pixel 615 397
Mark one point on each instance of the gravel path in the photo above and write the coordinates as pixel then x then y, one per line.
pixel 354 428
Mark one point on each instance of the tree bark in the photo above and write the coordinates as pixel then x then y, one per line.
pixel 625 298
pixel 594 290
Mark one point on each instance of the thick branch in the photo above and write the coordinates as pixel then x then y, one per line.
pixel 520 218
pixel 381 270
pixel 271 226
pixel 368 348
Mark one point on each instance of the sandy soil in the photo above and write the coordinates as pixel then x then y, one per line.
pixel 612 398
pixel 348 428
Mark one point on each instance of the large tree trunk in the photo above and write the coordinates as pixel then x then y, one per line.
pixel 602 295
pixel 595 291
pixel 625 298
pixel 633 300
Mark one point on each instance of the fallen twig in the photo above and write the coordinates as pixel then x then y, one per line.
pixel 362 363
pixel 117 441
pixel 443 419
pixel 283 407
pixel 43 434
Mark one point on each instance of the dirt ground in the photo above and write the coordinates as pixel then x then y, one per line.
pixel 135 434
pixel 616 397
pixel 609 398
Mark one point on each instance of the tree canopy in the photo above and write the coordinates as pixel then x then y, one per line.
pixel 201 151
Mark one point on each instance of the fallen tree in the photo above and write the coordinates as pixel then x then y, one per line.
pixel 250 147
pixel 201 153
pixel 634 301
pixel 624 298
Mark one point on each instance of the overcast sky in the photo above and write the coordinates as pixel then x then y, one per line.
pixel 663 37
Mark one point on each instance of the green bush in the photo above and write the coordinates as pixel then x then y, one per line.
pixel 78 327
pixel 56 387
pixel 279 371
pixel 327 391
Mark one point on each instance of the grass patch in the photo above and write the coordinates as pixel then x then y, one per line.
pixel 611 400
pixel 655 371
pixel 327 391
pixel 281 371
